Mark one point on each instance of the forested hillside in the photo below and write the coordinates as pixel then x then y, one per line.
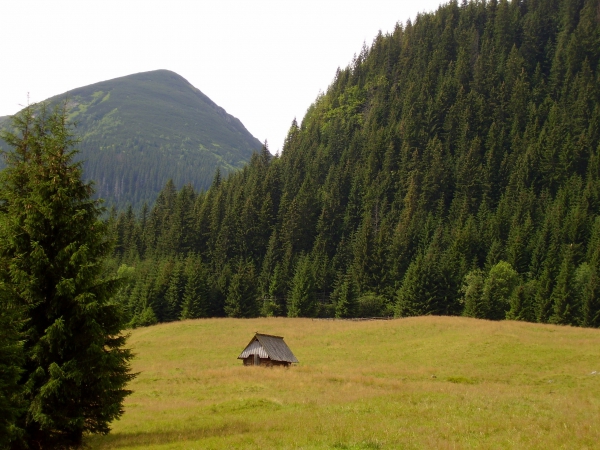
pixel 452 168
pixel 141 130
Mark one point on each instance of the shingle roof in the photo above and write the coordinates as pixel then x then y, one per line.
pixel 269 346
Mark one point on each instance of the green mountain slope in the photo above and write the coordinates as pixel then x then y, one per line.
pixel 453 168
pixel 140 130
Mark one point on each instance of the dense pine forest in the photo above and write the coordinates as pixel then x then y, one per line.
pixel 452 168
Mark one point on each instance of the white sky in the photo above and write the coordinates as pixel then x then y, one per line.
pixel 264 61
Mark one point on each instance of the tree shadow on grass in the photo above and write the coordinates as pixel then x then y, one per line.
pixel 124 440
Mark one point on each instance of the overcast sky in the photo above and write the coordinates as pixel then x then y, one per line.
pixel 264 61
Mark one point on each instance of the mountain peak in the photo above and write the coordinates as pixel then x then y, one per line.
pixel 140 130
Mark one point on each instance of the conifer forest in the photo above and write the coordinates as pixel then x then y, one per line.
pixel 453 168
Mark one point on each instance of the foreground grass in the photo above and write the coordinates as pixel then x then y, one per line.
pixel 430 382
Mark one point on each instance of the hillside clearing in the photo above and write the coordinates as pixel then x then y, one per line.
pixel 427 382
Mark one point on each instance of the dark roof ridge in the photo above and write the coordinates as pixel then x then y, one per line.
pixel 269 335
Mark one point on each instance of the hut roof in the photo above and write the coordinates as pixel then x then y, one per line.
pixel 268 346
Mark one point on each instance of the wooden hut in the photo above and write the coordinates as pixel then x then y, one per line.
pixel 266 350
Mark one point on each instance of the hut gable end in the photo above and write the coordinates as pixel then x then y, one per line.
pixel 253 348
pixel 268 347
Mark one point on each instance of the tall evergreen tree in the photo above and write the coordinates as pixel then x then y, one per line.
pixel 174 293
pixel 522 302
pixel 302 295
pixel 587 289
pixel 564 296
pixel 472 290
pixel 53 247
pixel 346 304
pixel 427 287
pixel 241 295
pixel 11 361
pixel 195 295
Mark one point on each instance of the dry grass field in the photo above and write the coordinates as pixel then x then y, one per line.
pixel 429 382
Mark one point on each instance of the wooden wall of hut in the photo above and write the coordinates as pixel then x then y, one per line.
pixel 264 362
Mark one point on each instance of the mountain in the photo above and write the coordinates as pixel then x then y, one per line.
pixel 452 169
pixel 141 130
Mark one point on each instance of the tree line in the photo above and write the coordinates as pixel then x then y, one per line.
pixel 452 168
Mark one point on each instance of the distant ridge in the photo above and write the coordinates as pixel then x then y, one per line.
pixel 140 130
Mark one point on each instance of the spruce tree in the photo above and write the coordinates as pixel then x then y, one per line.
pixel 195 295
pixel 301 299
pixel 53 247
pixel 564 296
pixel 174 293
pixel 587 280
pixel 473 295
pixel 347 299
pixel 426 288
pixel 11 360
pixel 241 295
pixel 586 286
pixel 522 302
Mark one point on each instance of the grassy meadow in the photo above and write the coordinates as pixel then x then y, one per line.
pixel 428 382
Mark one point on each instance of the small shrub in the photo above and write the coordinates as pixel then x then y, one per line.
pixel 373 305
pixel 145 318
pixel 269 307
